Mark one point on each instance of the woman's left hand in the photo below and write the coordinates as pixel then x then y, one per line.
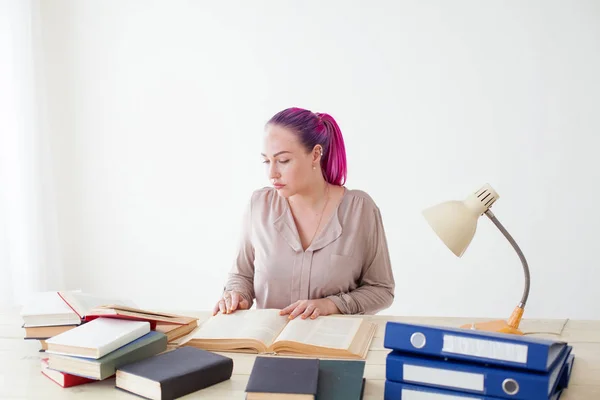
pixel 310 308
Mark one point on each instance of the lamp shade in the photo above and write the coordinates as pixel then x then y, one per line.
pixel 455 222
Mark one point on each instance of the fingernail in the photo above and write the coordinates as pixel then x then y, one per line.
pixel 290 317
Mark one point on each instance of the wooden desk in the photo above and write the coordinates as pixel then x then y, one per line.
pixel 20 376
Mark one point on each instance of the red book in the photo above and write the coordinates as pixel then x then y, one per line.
pixel 124 312
pixel 62 378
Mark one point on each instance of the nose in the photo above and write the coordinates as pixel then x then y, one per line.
pixel 273 172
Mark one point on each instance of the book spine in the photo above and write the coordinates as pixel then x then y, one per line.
pixel 109 368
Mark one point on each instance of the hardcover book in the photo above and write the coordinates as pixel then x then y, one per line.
pixel 97 338
pixel 265 331
pixel 341 380
pixel 63 379
pixel 283 378
pixel 148 345
pixel 174 373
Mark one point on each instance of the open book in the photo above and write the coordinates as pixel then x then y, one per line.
pixel 60 308
pixel 83 303
pixel 172 325
pixel 124 312
pixel 265 331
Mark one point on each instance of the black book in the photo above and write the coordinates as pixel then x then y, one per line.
pixel 272 377
pixel 175 373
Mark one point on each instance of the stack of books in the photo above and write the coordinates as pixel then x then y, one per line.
pixel 48 314
pixel 305 378
pixel 431 362
pixel 95 350
pixel 87 338
pixel 136 355
pixel 45 315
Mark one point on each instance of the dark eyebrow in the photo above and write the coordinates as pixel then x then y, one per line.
pixel 276 154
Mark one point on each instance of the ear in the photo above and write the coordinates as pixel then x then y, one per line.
pixel 317 153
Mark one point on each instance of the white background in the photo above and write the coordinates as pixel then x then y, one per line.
pixel 156 114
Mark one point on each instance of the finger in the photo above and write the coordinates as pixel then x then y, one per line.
pixel 315 314
pixel 235 299
pixel 289 308
pixel 226 295
pixel 309 310
pixel 222 306
pixel 216 308
pixel 244 305
pixel 298 310
pixel 228 304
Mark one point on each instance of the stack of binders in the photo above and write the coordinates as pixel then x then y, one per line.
pixel 431 362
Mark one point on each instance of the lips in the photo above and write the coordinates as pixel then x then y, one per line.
pixel 278 185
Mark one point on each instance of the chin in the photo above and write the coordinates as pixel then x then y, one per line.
pixel 284 192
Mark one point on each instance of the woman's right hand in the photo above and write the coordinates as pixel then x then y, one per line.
pixel 230 302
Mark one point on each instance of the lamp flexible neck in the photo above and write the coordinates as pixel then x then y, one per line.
pixel 514 244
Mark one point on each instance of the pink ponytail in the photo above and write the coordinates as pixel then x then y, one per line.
pixel 334 163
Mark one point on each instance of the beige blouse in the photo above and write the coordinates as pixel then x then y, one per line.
pixel 347 262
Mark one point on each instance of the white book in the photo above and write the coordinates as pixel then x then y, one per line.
pixel 97 338
pixel 63 307
pixel 47 309
pixel 82 303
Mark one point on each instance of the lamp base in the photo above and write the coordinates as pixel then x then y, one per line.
pixel 501 326
pixel 493 326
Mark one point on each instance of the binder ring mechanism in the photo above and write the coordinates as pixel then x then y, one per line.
pixel 510 386
pixel 418 340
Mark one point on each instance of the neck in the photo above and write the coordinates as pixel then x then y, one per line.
pixel 312 197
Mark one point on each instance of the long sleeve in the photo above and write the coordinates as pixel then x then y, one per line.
pixel 241 275
pixel 375 291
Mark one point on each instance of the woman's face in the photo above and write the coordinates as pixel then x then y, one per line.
pixel 289 166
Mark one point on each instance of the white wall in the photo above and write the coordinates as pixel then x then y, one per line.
pixel 157 111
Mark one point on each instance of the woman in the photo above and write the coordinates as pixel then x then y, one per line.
pixel 310 246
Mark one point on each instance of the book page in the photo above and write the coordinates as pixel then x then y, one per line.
pixel 136 312
pixel 263 325
pixel 332 332
pixel 84 302
pixel 46 303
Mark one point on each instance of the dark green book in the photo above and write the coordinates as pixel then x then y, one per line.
pixel 341 380
pixel 146 346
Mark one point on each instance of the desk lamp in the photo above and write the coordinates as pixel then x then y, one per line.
pixel 455 223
